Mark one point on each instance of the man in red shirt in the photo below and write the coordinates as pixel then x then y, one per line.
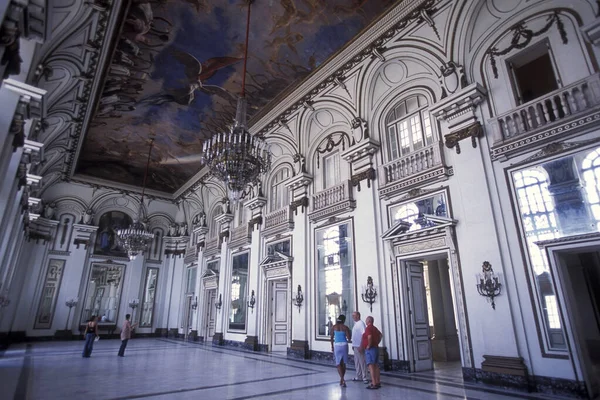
pixel 370 341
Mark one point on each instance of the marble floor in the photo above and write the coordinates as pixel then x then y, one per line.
pixel 170 369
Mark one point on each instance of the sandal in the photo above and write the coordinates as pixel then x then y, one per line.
pixel 372 387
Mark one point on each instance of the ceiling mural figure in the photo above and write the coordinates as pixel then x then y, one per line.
pixel 176 72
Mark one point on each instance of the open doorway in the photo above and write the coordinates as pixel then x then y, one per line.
pixel 579 272
pixel 433 329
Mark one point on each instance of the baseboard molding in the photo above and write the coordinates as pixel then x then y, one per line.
pixel 528 383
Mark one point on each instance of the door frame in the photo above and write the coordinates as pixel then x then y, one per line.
pixel 271 310
pixel 207 309
pixel 554 248
pixel 458 302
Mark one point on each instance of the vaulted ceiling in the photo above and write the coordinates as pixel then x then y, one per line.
pixel 172 68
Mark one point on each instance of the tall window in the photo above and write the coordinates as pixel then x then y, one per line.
pixel 331 170
pixel 239 283
pixel 335 275
pixel 590 169
pixel 213 226
pixel 279 192
pixel 190 285
pixel 408 127
pixel 539 223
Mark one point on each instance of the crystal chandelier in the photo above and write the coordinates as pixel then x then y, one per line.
pixel 135 238
pixel 236 157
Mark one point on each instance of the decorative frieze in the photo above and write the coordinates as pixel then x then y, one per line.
pixel 368 174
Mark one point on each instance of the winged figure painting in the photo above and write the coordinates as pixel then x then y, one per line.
pixel 197 74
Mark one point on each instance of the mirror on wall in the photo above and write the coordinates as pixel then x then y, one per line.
pixel 416 211
pixel 239 288
pixel 150 283
pixel 335 276
pixel 103 293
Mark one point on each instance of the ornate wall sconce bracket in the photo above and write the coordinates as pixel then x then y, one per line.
pixel 370 293
pixel 488 285
pixel 252 300
pixel 195 303
pixel 219 303
pixel 299 298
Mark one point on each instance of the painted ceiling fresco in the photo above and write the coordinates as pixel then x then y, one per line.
pixel 177 71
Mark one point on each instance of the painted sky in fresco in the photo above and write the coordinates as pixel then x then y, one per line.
pixel 177 71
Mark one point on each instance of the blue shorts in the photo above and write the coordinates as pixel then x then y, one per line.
pixel 372 355
pixel 340 352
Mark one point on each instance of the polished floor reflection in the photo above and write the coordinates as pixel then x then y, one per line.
pixel 170 369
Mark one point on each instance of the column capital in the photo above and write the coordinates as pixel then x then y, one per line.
pixel 83 235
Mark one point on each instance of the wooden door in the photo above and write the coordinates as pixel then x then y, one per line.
pixel 419 320
pixel 280 316
pixel 210 313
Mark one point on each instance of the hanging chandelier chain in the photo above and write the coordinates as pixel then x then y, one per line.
pixel 146 174
pixel 246 49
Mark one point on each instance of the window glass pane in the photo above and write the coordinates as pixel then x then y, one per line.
pixel 417 133
pixel 392 142
pixel 401 110
pixel 412 104
pixel 404 137
pixel 239 283
pixel 147 311
pixel 214 265
pixel 552 311
pixel 282 247
pixel 191 280
pixel 335 276
pixel 591 178
pixel 427 128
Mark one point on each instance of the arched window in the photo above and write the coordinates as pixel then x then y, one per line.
pixel 213 228
pixel 278 196
pixel 408 127
pixel 590 168
pixel 539 223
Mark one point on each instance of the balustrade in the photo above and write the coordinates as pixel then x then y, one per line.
pixel 553 107
pixel 411 164
pixel 332 196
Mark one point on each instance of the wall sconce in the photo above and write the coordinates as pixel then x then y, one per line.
pixel 219 303
pixel 195 303
pixel 133 304
pixel 370 293
pixel 252 301
pixel 344 307
pixel 70 303
pixel 488 285
pixel 299 298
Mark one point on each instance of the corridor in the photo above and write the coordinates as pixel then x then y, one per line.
pixel 170 369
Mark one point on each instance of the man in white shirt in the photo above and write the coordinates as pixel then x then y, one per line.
pixel 359 352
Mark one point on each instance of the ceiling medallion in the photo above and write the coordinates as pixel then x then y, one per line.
pixel 236 157
pixel 135 238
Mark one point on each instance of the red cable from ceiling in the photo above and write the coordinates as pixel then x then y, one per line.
pixel 246 49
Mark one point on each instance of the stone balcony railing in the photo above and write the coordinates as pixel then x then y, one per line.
pixel 418 167
pixel 547 116
pixel 331 201
pixel 240 235
pixel 278 221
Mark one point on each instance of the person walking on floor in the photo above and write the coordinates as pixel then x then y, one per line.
pixel 370 341
pixel 340 336
pixel 90 334
pixel 359 352
pixel 125 334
